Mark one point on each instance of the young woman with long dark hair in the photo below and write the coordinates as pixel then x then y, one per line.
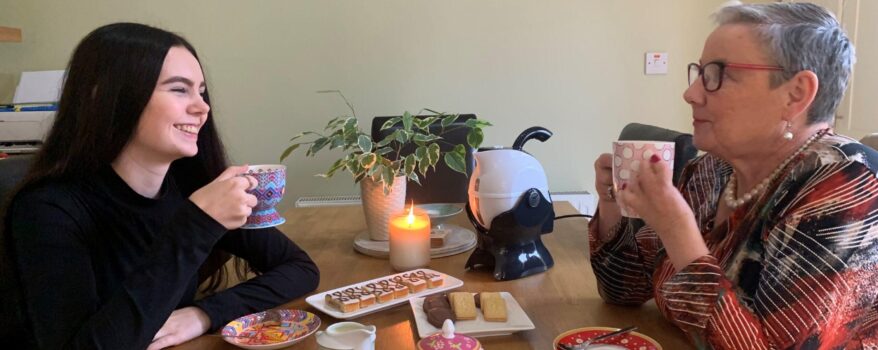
pixel 129 197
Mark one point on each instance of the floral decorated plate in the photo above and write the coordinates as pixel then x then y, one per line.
pixel 630 341
pixel 272 329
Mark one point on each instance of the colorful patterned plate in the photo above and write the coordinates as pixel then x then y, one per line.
pixel 272 329
pixel 630 341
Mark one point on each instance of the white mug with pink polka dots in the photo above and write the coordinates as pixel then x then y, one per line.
pixel 629 155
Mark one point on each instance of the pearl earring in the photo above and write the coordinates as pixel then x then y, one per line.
pixel 788 135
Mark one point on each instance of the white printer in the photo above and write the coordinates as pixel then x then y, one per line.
pixel 24 125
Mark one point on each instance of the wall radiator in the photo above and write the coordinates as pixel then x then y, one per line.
pixel 327 201
pixel 583 201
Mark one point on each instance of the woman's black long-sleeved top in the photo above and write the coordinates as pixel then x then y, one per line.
pixel 101 267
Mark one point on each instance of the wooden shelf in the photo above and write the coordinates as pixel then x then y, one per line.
pixel 10 35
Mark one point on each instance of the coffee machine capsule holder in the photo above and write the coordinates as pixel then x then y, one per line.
pixel 512 246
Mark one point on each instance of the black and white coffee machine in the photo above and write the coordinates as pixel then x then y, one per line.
pixel 510 207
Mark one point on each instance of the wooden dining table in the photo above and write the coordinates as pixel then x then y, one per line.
pixel 563 298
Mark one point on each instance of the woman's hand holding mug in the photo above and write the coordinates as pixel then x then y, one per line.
pixel 226 199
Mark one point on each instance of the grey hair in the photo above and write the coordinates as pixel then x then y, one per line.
pixel 798 37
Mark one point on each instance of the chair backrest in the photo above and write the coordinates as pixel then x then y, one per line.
pixel 12 326
pixel 867 148
pixel 871 140
pixel 684 150
pixel 12 171
pixel 442 185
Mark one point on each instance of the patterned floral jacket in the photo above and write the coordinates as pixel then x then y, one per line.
pixel 796 268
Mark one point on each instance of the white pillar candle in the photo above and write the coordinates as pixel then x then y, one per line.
pixel 409 240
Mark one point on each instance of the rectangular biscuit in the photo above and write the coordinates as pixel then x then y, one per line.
pixel 463 305
pixel 343 302
pixel 493 307
pixel 433 280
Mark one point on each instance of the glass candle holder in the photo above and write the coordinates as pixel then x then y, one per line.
pixel 409 240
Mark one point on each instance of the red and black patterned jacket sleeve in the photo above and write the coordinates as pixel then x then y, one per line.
pixel 801 275
pixel 623 266
pixel 814 272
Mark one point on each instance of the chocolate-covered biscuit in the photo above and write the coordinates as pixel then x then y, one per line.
pixel 438 309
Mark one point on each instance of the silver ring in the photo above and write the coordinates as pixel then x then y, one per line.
pixel 611 192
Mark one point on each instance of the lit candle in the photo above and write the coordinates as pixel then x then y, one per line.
pixel 409 240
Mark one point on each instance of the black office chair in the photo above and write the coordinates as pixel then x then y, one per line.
pixel 684 150
pixel 12 171
pixel 442 185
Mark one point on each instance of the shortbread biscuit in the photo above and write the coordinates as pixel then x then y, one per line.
pixel 493 307
pixel 463 305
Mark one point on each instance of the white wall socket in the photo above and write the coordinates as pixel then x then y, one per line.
pixel 656 63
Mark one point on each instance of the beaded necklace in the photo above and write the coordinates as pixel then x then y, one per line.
pixel 729 195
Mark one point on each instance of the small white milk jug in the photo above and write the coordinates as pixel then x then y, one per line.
pixel 347 336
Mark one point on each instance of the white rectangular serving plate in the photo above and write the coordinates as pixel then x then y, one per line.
pixel 318 300
pixel 516 320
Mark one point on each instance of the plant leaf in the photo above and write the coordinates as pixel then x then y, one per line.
pixel 425 137
pixel 303 134
pixel 336 140
pixel 365 143
pixel 330 124
pixel 383 151
pixel 401 136
pixel 367 160
pixel 455 162
pixel 446 121
pixel 423 166
pixel 350 123
pixel 375 172
pixel 391 122
pixel 414 177
pixel 350 139
pixel 353 164
pixel 433 154
pixel 456 159
pixel 477 123
pixel 340 163
pixel 421 152
pixel 289 150
pixel 474 137
pixel 426 122
pixel 409 164
pixel 407 119
pixel 387 175
pixel 317 146
pixel 386 141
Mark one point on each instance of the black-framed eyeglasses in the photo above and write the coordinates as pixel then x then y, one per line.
pixel 712 73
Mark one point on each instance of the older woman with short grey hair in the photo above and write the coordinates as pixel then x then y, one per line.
pixel 769 240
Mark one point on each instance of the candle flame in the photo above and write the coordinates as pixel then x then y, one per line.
pixel 411 217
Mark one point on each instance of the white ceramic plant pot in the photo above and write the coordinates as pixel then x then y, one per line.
pixel 379 207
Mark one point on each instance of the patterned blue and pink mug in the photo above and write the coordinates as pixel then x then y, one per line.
pixel 272 180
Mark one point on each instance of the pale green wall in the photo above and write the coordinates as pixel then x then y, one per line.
pixel 575 67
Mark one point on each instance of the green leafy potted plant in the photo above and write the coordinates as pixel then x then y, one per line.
pixel 382 163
